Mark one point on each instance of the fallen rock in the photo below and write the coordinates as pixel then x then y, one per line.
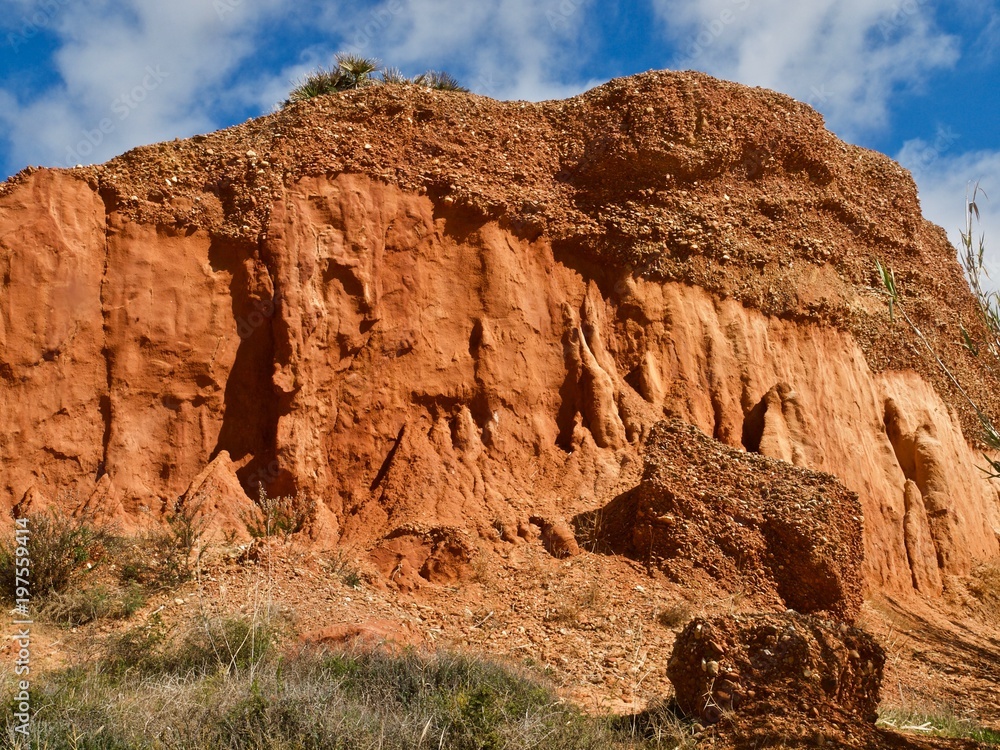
pixel 782 668
pixel 413 556
pixel 557 536
pixel 748 523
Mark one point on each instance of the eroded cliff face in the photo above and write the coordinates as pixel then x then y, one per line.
pixel 412 365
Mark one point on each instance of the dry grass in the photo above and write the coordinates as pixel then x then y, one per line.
pixel 578 605
pixel 984 584
pixel 212 688
pixel 675 616
pixel 935 720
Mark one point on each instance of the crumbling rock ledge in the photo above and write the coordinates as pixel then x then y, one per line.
pixel 788 536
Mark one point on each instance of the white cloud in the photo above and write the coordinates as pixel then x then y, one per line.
pixel 131 72
pixel 845 57
pixel 942 180
pixel 509 49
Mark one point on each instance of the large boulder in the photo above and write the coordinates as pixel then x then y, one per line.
pixel 777 669
pixel 707 513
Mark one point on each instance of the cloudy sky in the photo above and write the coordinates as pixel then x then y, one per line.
pixel 83 80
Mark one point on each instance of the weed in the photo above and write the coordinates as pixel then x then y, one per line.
pixel 940 721
pixel 355 72
pixel 676 615
pixel 60 546
pixel 279 515
pixel 349 72
pixel 991 435
pixel 78 606
pixel 437 80
pixel 321 700
pixel 139 648
pixel 341 566
pixel 662 724
pixel 590 532
pixel 972 255
pixel 226 643
pixel 351 579
pixel 163 556
pixel 575 605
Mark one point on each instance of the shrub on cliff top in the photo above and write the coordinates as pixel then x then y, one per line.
pixel 355 72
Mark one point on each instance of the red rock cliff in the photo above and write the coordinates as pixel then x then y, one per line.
pixel 431 309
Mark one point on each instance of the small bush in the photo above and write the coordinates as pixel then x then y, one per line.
pixel 437 80
pixel 349 72
pixel 81 572
pixel 59 547
pixel 354 72
pixel 226 643
pixel 341 565
pixel 279 515
pixel 76 607
pixel 139 648
pixel 163 556
pixel 676 615
pixel 576 605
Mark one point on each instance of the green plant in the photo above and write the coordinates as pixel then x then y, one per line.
pixel 341 565
pixel 439 81
pixel 394 76
pixel 940 721
pixel 59 548
pixel 224 643
pixel 317 699
pixel 139 648
pixel 278 515
pixel 354 72
pixel 348 72
pixel 78 606
pixel 972 255
pixel 163 556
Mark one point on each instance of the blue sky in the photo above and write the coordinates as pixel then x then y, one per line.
pixel 84 80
